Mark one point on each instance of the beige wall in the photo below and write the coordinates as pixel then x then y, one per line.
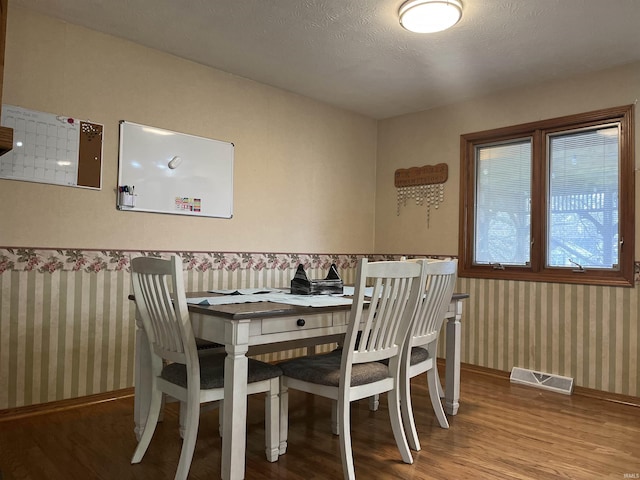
pixel 295 159
pixel 433 136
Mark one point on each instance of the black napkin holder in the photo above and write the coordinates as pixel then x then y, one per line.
pixel 332 284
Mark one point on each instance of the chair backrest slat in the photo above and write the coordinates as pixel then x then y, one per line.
pixel 155 291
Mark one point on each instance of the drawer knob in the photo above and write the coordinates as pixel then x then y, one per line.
pixel 300 322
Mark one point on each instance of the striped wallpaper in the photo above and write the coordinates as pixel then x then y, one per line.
pixel 63 335
pixel 67 328
pixel 589 333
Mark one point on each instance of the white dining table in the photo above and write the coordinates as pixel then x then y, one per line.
pixel 261 327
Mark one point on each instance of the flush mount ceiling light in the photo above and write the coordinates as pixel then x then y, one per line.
pixel 427 16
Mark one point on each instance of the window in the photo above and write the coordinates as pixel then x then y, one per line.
pixel 551 200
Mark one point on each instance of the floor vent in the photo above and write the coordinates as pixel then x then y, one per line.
pixel 546 381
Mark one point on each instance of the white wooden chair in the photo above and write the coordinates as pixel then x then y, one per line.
pixel 439 284
pixel 178 370
pixel 355 371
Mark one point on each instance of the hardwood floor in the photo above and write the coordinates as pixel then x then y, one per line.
pixel 502 431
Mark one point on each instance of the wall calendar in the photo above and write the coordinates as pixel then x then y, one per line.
pixel 49 148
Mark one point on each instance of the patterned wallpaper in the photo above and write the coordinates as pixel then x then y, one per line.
pixel 67 328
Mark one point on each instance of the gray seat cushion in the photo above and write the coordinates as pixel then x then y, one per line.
pixel 418 354
pixel 206 344
pixel 325 370
pixel 212 372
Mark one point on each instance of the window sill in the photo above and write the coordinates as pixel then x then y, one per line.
pixel 610 279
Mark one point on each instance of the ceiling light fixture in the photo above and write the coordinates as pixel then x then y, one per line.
pixel 428 16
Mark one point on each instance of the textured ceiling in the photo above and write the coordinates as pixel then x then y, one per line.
pixel 354 54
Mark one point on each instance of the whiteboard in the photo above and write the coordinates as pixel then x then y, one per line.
pixel 169 172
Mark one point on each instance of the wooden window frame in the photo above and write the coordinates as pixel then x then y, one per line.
pixel 536 270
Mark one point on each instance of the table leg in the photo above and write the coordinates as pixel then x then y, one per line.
pixel 234 423
pixel 142 380
pixel 452 376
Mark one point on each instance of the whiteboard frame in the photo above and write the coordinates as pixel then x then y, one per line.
pixel 203 177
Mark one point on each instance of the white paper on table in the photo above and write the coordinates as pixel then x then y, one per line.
pixel 247 291
pixel 351 291
pixel 309 300
pixel 228 299
pixel 275 297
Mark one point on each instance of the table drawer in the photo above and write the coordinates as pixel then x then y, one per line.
pixel 303 322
